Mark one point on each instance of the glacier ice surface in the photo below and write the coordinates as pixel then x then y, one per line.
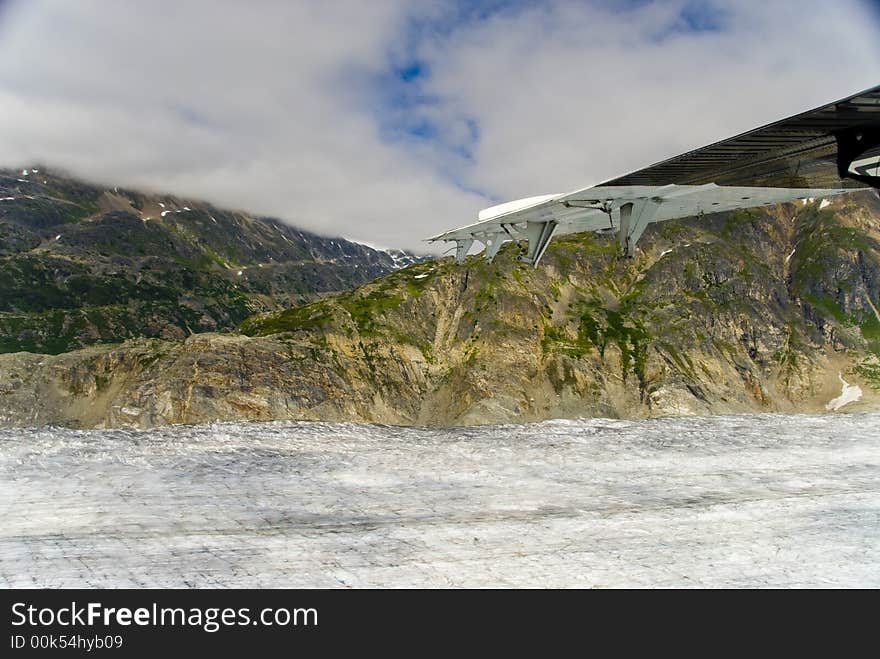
pixel 733 501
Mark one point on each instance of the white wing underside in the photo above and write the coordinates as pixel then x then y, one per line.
pixel 587 209
pixel 599 209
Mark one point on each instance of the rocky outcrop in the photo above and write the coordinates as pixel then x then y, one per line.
pixel 766 310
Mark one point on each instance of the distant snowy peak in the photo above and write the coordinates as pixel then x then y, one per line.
pixel 396 258
pixel 342 250
pixel 403 258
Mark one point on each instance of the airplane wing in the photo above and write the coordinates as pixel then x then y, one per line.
pixel 827 151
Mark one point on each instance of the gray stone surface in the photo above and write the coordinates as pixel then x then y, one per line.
pixel 726 501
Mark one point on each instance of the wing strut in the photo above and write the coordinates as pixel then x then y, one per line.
pixel 539 235
pixel 493 244
pixel 462 245
pixel 634 217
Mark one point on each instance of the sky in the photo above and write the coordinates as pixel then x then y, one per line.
pixel 390 121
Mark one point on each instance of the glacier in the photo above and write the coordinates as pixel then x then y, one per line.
pixel 733 501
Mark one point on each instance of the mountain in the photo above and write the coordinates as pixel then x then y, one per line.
pixel 765 310
pixel 81 264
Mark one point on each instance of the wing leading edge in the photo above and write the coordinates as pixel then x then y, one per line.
pixel 827 151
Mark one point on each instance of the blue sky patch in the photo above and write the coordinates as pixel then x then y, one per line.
pixel 409 115
pixel 406 113
pixel 702 17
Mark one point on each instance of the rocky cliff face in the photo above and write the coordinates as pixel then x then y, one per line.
pixel 81 265
pixel 763 310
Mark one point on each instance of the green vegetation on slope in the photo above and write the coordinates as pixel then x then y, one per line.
pixel 81 265
pixel 725 287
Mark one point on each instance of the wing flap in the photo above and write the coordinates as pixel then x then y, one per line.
pixel 800 152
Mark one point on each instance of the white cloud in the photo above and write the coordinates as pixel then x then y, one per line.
pixel 572 95
pixel 272 106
